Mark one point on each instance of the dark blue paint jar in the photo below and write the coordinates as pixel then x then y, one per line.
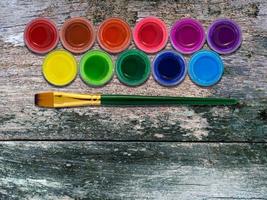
pixel 169 68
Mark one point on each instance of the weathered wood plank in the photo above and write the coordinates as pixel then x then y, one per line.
pixel 103 170
pixel 245 78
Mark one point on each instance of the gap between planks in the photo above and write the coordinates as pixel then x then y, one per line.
pixel 131 141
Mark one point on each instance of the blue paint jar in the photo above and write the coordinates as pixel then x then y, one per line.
pixel 205 68
pixel 169 68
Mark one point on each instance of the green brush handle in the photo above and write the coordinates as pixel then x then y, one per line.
pixel 163 100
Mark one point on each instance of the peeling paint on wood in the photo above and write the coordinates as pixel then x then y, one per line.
pixel 245 78
pixel 110 170
pixel 134 168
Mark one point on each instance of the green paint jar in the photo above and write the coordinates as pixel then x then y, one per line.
pixel 96 68
pixel 133 67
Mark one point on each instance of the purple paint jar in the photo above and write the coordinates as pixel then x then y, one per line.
pixel 224 36
pixel 187 35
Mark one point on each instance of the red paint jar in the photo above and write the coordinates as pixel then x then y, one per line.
pixel 41 35
pixel 77 35
pixel 150 35
pixel 114 35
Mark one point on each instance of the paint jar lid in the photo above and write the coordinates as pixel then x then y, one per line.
pixel 133 67
pixel 205 68
pixel 77 35
pixel 150 34
pixel 41 35
pixel 169 68
pixel 96 68
pixel 187 35
pixel 59 68
pixel 114 35
pixel 224 36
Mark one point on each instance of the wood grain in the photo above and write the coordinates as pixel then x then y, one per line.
pixel 141 152
pixel 245 78
pixel 116 170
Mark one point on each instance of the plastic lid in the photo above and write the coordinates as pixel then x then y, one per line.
pixel 41 35
pixel 59 68
pixel 187 35
pixel 96 68
pixel 205 68
pixel 224 36
pixel 150 35
pixel 114 35
pixel 133 67
pixel 169 68
pixel 77 35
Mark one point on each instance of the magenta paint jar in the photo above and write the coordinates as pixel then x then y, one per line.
pixel 224 36
pixel 187 35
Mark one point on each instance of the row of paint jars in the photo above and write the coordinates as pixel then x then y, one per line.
pixel 150 35
pixel 133 68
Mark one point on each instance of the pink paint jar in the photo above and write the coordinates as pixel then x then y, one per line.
pixel 150 34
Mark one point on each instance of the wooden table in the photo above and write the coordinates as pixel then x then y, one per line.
pixel 134 153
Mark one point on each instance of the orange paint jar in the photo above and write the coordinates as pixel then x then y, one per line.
pixel 114 35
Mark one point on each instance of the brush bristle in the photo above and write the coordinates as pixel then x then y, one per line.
pixel 45 99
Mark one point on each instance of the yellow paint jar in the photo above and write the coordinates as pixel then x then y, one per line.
pixel 59 68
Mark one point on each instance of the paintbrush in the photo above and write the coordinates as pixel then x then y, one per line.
pixel 64 100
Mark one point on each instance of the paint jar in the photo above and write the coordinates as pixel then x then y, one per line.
pixel 224 36
pixel 205 68
pixel 59 68
pixel 96 68
pixel 77 35
pixel 169 68
pixel 41 35
pixel 150 34
pixel 133 67
pixel 187 35
pixel 114 35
